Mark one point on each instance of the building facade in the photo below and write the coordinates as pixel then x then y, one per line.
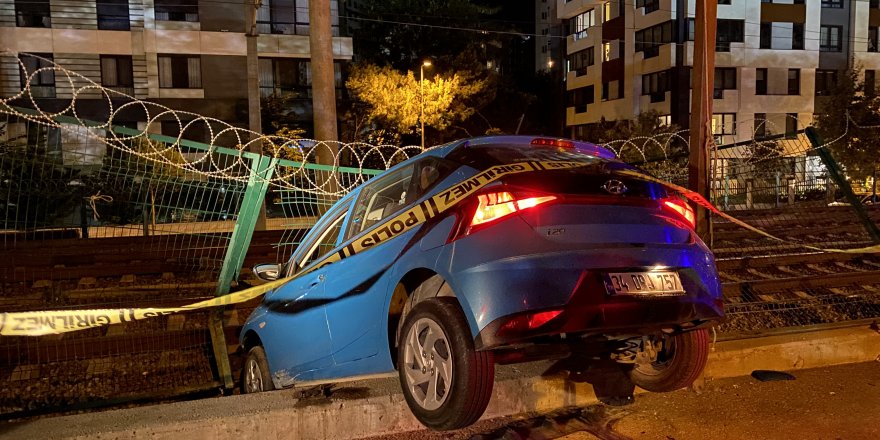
pixel 775 59
pixel 188 55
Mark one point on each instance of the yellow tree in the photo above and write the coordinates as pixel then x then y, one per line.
pixel 393 98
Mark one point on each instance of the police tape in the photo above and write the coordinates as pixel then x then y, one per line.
pixel 701 201
pixel 40 323
pixel 434 206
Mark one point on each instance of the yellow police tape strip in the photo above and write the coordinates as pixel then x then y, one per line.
pixel 39 323
pixel 700 200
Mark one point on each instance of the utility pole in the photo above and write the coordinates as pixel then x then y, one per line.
pixel 255 123
pixel 701 108
pixel 323 84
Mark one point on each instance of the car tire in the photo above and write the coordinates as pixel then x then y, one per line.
pixel 448 385
pixel 678 365
pixel 255 376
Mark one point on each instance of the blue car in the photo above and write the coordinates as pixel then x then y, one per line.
pixel 489 250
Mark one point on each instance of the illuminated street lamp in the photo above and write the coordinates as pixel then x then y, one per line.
pixel 426 63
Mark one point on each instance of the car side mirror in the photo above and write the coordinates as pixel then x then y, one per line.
pixel 267 272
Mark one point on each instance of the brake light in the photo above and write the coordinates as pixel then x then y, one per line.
pixel 493 206
pixel 547 142
pixel 528 321
pixel 681 208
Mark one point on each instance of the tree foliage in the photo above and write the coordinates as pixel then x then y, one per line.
pixel 853 142
pixel 394 99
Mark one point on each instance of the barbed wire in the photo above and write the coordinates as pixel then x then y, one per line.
pixel 191 160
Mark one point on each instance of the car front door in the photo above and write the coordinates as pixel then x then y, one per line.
pixel 297 338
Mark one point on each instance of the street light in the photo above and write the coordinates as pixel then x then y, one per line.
pixel 426 63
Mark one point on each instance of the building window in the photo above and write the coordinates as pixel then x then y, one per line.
pixel 649 40
pixel 725 79
pixel 872 39
pixel 874 4
pixel 580 23
pixel 649 5
pixel 113 15
pixel 612 90
pixel 832 4
pixel 117 73
pixel 177 10
pixel 723 2
pixel 723 124
pixel 760 125
pixel 760 81
pixel 283 17
pixel 611 50
pixel 797 36
pixel 826 81
pixel 692 29
pixel 285 75
pixel 180 72
pixel 581 98
pixel 665 120
pixel 580 60
pixel 729 31
pixel 766 35
pixel 42 83
pixel 656 85
pixel 32 13
pixel 829 38
pixel 794 81
pixel 791 124
pixel 870 82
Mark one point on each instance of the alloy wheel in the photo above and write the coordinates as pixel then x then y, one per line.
pixel 427 364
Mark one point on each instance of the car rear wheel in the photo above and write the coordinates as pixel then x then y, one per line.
pixel 446 383
pixel 255 377
pixel 679 362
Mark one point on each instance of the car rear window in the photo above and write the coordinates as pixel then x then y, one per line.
pixel 485 156
pixel 585 180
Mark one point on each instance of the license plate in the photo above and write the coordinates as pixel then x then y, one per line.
pixel 645 283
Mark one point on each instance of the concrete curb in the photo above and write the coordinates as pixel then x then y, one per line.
pixel 369 416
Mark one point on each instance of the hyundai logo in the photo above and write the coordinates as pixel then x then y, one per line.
pixel 615 187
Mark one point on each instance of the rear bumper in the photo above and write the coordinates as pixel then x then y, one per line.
pixel 611 316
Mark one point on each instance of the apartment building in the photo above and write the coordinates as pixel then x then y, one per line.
pixel 189 55
pixel 775 59
pixel 549 48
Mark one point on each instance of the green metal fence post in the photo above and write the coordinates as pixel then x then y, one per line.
pixel 836 174
pixel 262 170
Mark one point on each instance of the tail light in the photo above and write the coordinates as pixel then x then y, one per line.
pixel 528 321
pixel 682 209
pixel 493 206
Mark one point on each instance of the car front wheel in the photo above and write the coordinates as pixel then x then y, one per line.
pixel 446 383
pixel 679 362
pixel 255 377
